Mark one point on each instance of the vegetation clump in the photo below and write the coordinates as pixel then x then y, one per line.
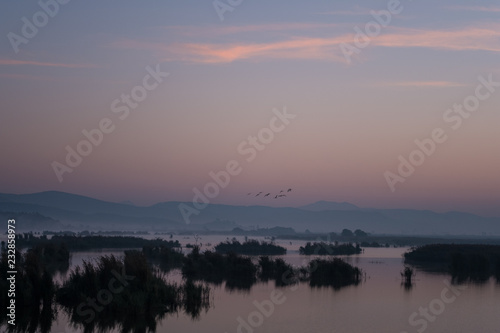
pixel 373 244
pixel 82 243
pixel 463 261
pixel 55 257
pixel 34 290
pixel 278 270
pixel 136 295
pixel 334 273
pixel 167 257
pixel 497 269
pixel 407 276
pixel 323 248
pixel 250 247
pixel 237 271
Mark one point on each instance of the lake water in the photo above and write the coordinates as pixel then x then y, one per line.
pixel 379 304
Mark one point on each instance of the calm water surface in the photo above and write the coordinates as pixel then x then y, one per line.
pixel 379 304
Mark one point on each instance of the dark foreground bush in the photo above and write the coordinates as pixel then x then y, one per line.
pixel 125 293
pixel 497 268
pixel 34 292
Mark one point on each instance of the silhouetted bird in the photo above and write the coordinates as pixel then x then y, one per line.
pixel 267 194
pixel 276 197
pixel 258 194
pixel 289 190
pixel 281 191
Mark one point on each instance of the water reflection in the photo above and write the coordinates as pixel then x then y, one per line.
pixel 150 315
pixel 126 294
pixel 34 319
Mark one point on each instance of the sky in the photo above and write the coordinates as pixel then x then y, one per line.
pixel 325 97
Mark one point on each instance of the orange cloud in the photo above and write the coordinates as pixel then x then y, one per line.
pixel 12 62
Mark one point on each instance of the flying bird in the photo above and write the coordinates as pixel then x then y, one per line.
pixel 289 190
pixel 267 194
pixel 258 194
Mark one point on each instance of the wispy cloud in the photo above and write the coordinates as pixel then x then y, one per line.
pixel 358 12
pixel 424 84
pixel 300 48
pixel 473 38
pixel 355 11
pixel 15 76
pixel 476 8
pixel 485 38
pixel 13 62
pixel 236 29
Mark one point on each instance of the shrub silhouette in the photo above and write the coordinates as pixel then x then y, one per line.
pixel 168 258
pixel 278 270
pixel 472 262
pixel 143 300
pixel 34 291
pixel 238 272
pixel 334 272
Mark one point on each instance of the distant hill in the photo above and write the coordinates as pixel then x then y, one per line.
pixel 329 205
pixel 220 225
pixel 85 212
pixel 90 213
pixel 30 221
pixel 127 202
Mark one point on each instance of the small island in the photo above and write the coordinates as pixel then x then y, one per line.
pixel 250 247
pixel 473 262
pixel 322 249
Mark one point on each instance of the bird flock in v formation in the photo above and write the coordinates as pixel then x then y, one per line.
pixel 276 196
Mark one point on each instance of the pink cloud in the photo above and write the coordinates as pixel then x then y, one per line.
pixel 486 38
